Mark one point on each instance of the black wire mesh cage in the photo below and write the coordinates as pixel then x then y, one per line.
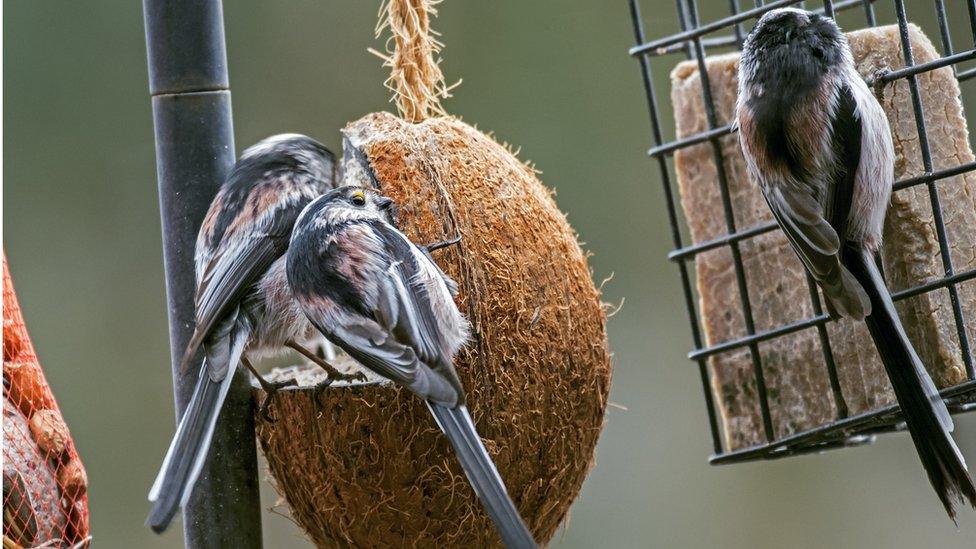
pixel 726 34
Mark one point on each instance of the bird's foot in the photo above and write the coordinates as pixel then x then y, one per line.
pixel 271 388
pixel 336 375
pixel 877 82
pixel 319 389
pixel 434 246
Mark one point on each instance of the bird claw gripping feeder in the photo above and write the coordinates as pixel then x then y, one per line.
pixel 45 489
pixel 780 377
pixel 362 463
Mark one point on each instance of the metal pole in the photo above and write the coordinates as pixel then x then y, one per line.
pixel 194 152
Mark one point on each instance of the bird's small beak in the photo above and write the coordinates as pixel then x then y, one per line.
pixel 384 203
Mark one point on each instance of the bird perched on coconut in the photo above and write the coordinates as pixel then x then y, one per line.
pixel 818 144
pixel 243 302
pixel 375 294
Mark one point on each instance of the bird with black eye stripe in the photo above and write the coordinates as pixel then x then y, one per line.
pixel 383 300
pixel 818 144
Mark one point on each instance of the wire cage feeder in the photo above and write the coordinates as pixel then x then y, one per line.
pixel 727 34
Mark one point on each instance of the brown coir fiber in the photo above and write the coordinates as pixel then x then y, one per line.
pixel 365 465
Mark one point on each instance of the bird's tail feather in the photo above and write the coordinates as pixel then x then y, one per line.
pixel 925 413
pixel 191 444
pixel 188 451
pixel 484 478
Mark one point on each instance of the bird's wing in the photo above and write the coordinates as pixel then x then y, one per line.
pixel 373 347
pixel 801 218
pixel 237 265
pixel 815 230
pixel 412 288
pixel 846 137
pixel 396 334
pixel 377 349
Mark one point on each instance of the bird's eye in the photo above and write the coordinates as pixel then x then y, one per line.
pixel 358 198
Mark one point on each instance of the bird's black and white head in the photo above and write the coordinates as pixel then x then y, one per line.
pixel 338 227
pixel 288 154
pixel 792 44
pixel 346 204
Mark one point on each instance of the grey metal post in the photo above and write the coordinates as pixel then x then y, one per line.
pixel 194 152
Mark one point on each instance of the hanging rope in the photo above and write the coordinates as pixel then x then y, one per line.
pixel 411 53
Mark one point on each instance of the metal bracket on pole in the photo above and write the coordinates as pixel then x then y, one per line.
pixel 194 153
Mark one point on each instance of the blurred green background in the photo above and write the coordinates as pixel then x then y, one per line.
pixel 554 78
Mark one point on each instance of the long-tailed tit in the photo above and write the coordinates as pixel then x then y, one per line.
pixel 383 300
pixel 818 144
pixel 243 302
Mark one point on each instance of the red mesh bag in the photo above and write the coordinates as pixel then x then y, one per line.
pixel 45 489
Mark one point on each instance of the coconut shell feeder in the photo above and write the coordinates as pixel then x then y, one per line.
pixel 362 464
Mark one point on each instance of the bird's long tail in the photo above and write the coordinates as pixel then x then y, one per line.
pixel 488 485
pixel 925 413
pixel 188 452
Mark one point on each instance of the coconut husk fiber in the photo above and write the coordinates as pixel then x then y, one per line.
pixel 365 465
pixel 799 391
